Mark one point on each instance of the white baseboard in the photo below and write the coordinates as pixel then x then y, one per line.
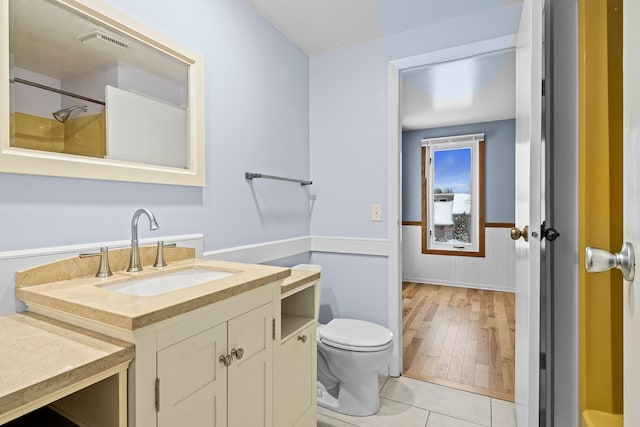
pixel 459 284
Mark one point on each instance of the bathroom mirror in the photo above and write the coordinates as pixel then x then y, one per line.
pixel 89 92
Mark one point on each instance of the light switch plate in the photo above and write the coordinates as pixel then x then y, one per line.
pixel 376 212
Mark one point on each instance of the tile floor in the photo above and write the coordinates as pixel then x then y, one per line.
pixel 410 403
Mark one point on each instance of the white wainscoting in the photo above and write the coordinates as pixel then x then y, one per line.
pixel 262 252
pixel 277 249
pixel 495 271
pixel 350 245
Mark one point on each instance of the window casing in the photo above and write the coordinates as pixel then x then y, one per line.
pixel 453 195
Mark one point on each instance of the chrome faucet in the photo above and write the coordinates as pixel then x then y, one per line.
pixel 104 270
pixel 134 260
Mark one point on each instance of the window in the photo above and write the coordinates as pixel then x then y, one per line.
pixel 453 195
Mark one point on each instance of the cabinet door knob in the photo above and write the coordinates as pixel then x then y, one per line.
pixel 226 359
pixel 302 338
pixel 237 353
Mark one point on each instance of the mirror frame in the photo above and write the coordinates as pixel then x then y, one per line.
pixel 34 162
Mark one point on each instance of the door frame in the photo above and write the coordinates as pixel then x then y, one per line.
pixel 561 57
pixel 394 197
pixel 564 29
pixel 631 124
pixel 601 209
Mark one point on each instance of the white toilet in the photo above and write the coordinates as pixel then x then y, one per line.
pixel 350 354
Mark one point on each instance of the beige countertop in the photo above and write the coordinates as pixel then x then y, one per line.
pixel 86 296
pixel 40 356
pixel 298 278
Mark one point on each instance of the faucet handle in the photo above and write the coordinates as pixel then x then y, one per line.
pixel 104 270
pixel 160 261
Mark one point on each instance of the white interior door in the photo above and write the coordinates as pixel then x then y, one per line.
pixel 528 196
pixel 631 209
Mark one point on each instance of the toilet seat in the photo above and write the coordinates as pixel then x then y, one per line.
pixel 355 335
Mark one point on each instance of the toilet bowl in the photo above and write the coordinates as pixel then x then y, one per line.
pixel 350 354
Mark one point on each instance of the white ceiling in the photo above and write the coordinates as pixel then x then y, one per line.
pixel 471 90
pixel 320 25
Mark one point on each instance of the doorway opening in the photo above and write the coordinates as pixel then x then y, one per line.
pixel 458 309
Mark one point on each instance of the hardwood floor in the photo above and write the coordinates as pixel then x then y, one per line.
pixel 459 337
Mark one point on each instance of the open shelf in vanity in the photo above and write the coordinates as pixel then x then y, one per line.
pixel 297 310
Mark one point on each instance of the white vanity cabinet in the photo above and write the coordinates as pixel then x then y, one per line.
pixel 211 378
pixel 297 360
pixel 238 351
pixel 250 377
pixel 298 387
pixel 209 367
pixel 192 386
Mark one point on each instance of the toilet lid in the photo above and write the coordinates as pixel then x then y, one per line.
pixel 358 335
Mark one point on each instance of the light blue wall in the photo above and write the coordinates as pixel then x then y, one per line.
pixel 500 187
pixel 350 287
pixel 257 115
pixel 349 158
pixel 270 109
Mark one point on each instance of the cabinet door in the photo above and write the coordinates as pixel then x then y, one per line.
pixel 250 377
pixel 297 380
pixel 193 383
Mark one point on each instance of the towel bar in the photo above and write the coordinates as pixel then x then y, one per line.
pixel 251 175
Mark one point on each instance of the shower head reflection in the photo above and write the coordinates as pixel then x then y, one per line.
pixel 63 115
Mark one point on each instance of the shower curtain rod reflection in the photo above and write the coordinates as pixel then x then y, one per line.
pixel 251 175
pixel 52 89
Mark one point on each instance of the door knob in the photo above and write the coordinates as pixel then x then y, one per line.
pixel 600 260
pixel 516 233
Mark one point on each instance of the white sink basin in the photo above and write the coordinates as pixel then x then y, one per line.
pixel 162 283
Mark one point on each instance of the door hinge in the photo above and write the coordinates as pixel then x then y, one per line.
pixel 544 87
pixel 157 392
pixel 543 361
pixel 273 329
